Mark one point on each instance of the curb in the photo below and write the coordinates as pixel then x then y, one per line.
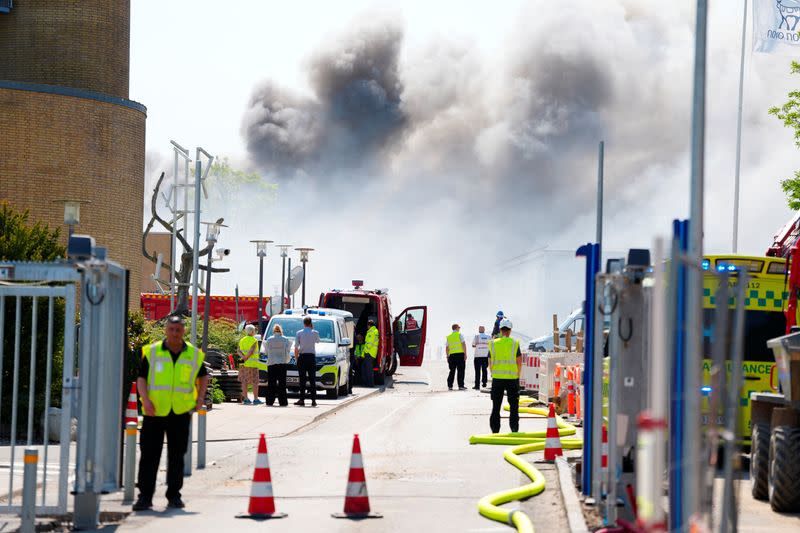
pixel 572 505
pixel 326 414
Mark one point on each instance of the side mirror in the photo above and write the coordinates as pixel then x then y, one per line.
pixel 344 342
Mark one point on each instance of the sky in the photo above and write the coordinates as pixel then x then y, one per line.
pixel 447 150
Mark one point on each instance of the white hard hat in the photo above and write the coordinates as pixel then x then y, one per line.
pixel 505 323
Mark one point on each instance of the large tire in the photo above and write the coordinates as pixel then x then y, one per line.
pixel 334 392
pixel 784 469
pixel 393 365
pixel 759 461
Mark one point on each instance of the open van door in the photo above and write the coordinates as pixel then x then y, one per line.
pixel 409 328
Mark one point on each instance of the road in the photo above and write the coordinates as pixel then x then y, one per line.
pixel 421 472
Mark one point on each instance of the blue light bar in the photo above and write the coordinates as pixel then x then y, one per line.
pixel 720 268
pixel 706 264
pixel 706 390
pixel 732 268
pixel 287 312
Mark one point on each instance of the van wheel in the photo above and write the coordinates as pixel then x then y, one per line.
pixel 343 388
pixel 784 469
pixel 393 365
pixel 759 461
pixel 334 392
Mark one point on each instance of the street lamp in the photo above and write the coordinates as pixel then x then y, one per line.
pixel 261 251
pixel 284 253
pixel 304 260
pixel 72 212
pixel 212 234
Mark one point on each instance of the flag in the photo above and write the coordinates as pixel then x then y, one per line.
pixel 776 26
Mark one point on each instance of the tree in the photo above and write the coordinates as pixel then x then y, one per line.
pixel 789 114
pixel 22 241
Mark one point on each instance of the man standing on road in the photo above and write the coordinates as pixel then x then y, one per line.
pixel 357 359
pixel 481 357
pixel 248 370
pixel 505 362
pixel 496 328
pixel 172 382
pixel 456 357
pixel 305 352
pixel 278 356
pixel 371 341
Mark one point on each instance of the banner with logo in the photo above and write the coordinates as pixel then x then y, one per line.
pixel 776 26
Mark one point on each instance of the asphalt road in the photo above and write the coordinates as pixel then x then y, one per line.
pixel 421 472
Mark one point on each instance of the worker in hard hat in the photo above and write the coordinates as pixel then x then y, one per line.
pixel 496 329
pixel 505 364
pixel 371 341
pixel 456 357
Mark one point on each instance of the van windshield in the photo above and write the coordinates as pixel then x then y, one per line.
pixel 759 327
pixel 291 326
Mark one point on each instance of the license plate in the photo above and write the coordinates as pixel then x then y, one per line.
pixel 292 380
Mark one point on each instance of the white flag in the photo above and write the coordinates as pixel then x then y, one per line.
pixel 776 26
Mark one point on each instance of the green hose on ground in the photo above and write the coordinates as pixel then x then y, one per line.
pixel 489 506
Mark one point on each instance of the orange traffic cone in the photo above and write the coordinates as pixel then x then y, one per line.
pixel 132 411
pixel 356 500
pixel 557 380
pixel 262 503
pixel 571 391
pixel 552 444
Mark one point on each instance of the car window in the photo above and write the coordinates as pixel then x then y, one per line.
pixel 292 325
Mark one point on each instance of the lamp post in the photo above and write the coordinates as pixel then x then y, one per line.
pixel 72 213
pixel 212 234
pixel 304 260
pixel 261 251
pixel 284 254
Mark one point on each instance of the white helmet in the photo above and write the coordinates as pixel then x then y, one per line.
pixel 505 323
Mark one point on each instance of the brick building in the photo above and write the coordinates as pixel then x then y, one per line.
pixel 67 126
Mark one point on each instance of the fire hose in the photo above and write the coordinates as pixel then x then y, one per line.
pixel 489 505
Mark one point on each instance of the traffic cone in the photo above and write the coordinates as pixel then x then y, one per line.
pixel 571 391
pixel 356 500
pixel 262 503
pixel 132 411
pixel 557 380
pixel 552 444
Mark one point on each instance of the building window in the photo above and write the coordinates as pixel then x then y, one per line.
pixel 6 5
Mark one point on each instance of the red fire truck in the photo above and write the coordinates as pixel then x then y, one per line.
pixel 402 339
pixel 157 306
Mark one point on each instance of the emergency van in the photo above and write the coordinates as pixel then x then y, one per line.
pixel 402 338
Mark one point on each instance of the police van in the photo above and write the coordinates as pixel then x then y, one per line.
pixel 335 329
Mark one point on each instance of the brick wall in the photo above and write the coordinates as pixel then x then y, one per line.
pixel 56 147
pixel 157 243
pixel 83 44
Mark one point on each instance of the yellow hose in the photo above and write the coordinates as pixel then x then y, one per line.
pixel 489 506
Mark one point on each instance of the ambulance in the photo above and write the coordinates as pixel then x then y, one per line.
pixel 402 337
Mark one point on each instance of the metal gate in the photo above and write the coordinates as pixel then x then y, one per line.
pixel 55 461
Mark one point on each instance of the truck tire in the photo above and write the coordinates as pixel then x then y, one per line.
pixel 759 461
pixel 784 469
pixel 393 365
pixel 334 392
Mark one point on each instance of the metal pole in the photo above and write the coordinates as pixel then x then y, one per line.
pixel 283 283
pixel 739 137
pixel 174 240
pixel 288 274
pixel 304 284
pixel 600 160
pixel 593 406
pixel 694 294
pixel 207 300
pixel 201 438
pixel 261 295
pixel 28 514
pixel 614 382
pixel 196 251
pixel 130 461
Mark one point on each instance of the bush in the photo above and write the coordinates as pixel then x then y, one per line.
pixel 217 395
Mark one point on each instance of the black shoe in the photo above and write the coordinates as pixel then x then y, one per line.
pixel 462 388
pixel 476 387
pixel 484 385
pixel 449 388
pixel 313 403
pixel 142 505
pixel 300 403
pixel 176 503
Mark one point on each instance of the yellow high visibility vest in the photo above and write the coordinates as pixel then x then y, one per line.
pixel 244 345
pixel 503 353
pixel 454 343
pixel 359 353
pixel 371 341
pixel 172 386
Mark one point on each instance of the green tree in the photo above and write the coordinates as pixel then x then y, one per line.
pixel 21 240
pixel 789 114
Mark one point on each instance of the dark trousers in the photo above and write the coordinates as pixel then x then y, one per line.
pixel 276 384
pixel 151 442
pixel 456 363
pixel 511 388
pixel 367 371
pixel 307 370
pixel 481 367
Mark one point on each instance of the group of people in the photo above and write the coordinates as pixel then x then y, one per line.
pixel 498 354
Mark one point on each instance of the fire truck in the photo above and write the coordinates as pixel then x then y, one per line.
pixel 157 306
pixel 402 338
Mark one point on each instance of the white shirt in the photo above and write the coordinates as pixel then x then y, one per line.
pixel 306 340
pixel 481 344
pixel 277 350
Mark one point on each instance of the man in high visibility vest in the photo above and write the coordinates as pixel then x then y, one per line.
pixel 248 370
pixel 172 382
pixel 357 359
pixel 456 357
pixel 370 354
pixel 505 364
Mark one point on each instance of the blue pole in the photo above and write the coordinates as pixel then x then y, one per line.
pixel 592 254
